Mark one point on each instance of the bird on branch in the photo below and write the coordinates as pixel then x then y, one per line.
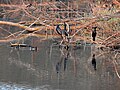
pixel 65 31
pixel 94 33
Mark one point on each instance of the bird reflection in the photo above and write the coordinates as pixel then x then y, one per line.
pixel 58 66
pixel 63 62
pixel 94 62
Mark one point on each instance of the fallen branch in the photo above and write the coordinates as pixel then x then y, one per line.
pixel 19 25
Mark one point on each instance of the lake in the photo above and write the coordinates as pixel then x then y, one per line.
pixel 54 68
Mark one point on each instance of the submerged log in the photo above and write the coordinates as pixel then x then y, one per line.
pixel 18 46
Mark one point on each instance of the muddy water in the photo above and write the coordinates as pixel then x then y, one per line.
pixel 54 68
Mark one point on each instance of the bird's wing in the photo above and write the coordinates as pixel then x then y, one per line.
pixel 68 28
pixel 58 29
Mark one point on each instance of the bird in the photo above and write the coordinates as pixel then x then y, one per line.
pixel 58 29
pixel 94 33
pixel 65 32
pixel 67 29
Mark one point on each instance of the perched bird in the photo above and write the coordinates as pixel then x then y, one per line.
pixel 94 61
pixel 69 29
pixel 65 31
pixel 65 26
pixel 58 29
pixel 94 33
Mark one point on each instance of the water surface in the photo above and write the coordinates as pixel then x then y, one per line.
pixel 54 68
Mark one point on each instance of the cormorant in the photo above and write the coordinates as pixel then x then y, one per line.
pixel 65 26
pixel 65 31
pixel 58 29
pixel 94 33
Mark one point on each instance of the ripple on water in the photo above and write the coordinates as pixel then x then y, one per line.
pixel 9 86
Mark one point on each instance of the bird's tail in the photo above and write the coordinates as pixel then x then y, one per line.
pixel 93 38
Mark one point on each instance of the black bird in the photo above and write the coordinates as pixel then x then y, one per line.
pixel 64 31
pixel 68 31
pixel 94 33
pixel 58 29
pixel 65 26
pixel 94 62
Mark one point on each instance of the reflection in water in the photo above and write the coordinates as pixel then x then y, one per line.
pixel 65 63
pixel 63 60
pixel 58 66
pixel 55 69
pixel 94 61
pixel 10 86
pixel 25 46
pixel 66 59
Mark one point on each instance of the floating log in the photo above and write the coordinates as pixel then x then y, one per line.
pixel 16 45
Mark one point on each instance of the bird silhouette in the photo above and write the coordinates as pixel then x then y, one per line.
pixel 65 31
pixel 58 29
pixel 94 33
pixel 58 67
